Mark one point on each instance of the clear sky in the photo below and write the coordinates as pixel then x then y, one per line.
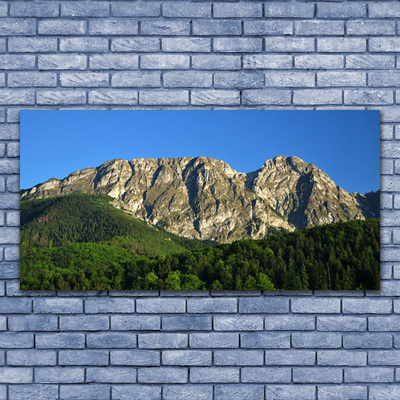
pixel 345 144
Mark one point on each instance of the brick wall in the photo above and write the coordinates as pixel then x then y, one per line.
pixel 190 345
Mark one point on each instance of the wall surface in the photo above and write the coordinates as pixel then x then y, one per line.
pixel 199 55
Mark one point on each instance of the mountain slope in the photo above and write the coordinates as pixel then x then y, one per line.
pixel 204 198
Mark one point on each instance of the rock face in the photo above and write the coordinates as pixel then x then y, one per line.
pixel 205 198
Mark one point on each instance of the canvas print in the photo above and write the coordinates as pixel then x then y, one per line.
pixel 200 200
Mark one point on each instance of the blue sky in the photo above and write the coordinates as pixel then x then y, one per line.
pixel 345 144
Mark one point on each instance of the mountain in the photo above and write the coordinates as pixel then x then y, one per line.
pixel 203 198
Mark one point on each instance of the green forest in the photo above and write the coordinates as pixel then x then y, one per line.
pixel 82 242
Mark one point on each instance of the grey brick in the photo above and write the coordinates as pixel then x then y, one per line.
pixel 9 201
pixel 178 97
pixel 135 357
pixel 214 375
pixel 381 392
pixel 369 61
pixel 163 340
pixel 186 79
pixel 266 375
pixel 266 96
pixel 3 9
pixel 241 323
pixel 113 61
pixel 288 44
pixel 16 340
pixel 319 61
pixel 17 26
pixel 268 27
pixel 59 375
pixel 344 392
pixel 265 340
pixel 32 323
pixel 367 341
pixel 341 45
pixel 263 305
pixel 31 357
pixel 368 97
pixel 216 27
pixel 316 27
pixel 316 340
pixel 382 10
pixel 384 357
pixel 317 375
pixel 325 306
pixel 84 323
pixel 85 9
pixel 124 97
pixel 15 305
pixel 391 150
pixel 135 322
pixel 164 28
pixel 135 44
pixel 365 27
pixel 34 79
pixel 164 61
pixel 214 340
pixel 57 306
pixel 313 97
pixel 342 78
pixel 368 374
pixel 135 9
pixel 16 375
pixel 111 340
pixel 238 357
pixel 60 340
pixel 239 392
pixel 341 11
pixel 83 357
pixel 179 392
pixel 290 357
pixel 109 305
pixel 37 392
pixel 384 44
pixel 237 45
pixel 193 45
pixel 341 323
pixel 187 323
pixel 386 323
pixel 64 97
pixel 61 27
pixel 342 358
pixel 214 97
pixel 136 392
pixel 288 10
pixel 110 375
pixel 17 61
pixel 367 306
pixel 290 392
pixel 384 78
pixel 184 9
pixel 88 45
pixel 216 62
pixel 112 26
pixel 289 79
pixel 31 45
pixel 83 79
pixel 289 323
pixel 61 61
pixel 9 132
pixel 36 9
pixel 186 357
pixel 162 375
pixel 212 305
pixel 98 392
pixel 237 10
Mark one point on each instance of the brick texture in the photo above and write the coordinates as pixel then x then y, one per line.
pixel 200 55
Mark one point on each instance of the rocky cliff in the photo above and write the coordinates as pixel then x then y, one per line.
pixel 205 198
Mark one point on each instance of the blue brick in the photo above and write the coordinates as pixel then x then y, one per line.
pixel 163 340
pixel 185 79
pixel 83 357
pixel 113 61
pixel 365 27
pixel 3 9
pixel 267 61
pixel 382 10
pixel 8 201
pixel 382 392
pixel 289 79
pixel 32 323
pixel 288 10
pixel 238 10
pixel 16 340
pixel 15 305
pixel 367 306
pixel 266 375
pixel 113 27
pixel 183 9
pixel 266 96
pixel 57 306
pixel 314 97
pixel 187 323
pixel 212 305
pixel 31 357
pixel 368 97
pixel 342 78
pixel 216 62
pixel 290 357
pixel 83 79
pixel 368 374
pixel 109 305
pixel 387 323
pixel 238 357
pixel 317 375
pixel 135 9
pixel 369 61
pixel 60 375
pixel 135 322
pixel 9 132
pixel 367 341
pixel 319 61
pixel 288 44
pixel 84 323
pixel 15 97
pixel 164 61
pixel 61 27
pixel 85 9
pixel 341 45
pixel 162 375
pixel 290 392
pixel 135 357
pixel 237 45
pixel 239 392
pixel 194 45
pixel 61 61
pixel 384 44
pixel 263 305
pixel 341 11
pixel 270 27
pixel 87 45
pixel 110 375
pixel 17 26
pixel 58 97
pixel 111 340
pixel 12 181
pixel 241 323
pixel 265 340
pixel 37 392
pixel 136 392
pixel 164 28
pixel 3 323
pixel 289 323
pixel 215 97
pixel 214 375
pixel 34 79
pixel 32 45
pixel 342 358
pixel 138 44
pixel 316 27
pixel 216 27
pixel 60 340
pixel 316 340
pixel 179 392
pixel 16 375
pixel 98 392
pixel 384 78
pixel 214 340
pixel 384 357
pixel 17 61
pixel 344 392
pixel 186 357
pixel 155 98
pixel 34 9
pixel 118 97
pixel 341 323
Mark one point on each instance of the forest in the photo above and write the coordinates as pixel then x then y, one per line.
pixel 82 242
